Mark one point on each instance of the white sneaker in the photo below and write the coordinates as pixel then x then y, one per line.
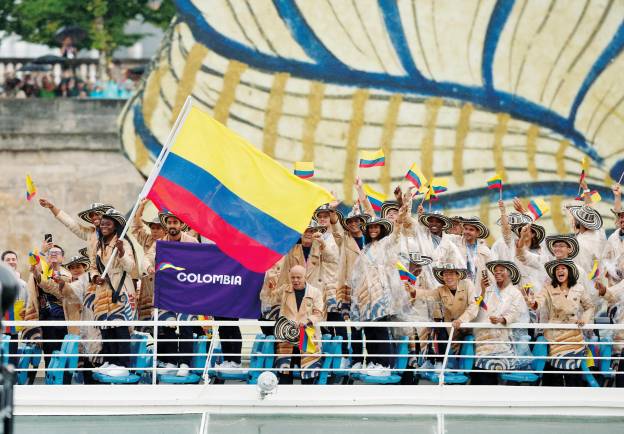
pixel 377 370
pixel 117 371
pixel 170 368
pixel 183 371
pixel 357 367
pixel 345 363
pixel 238 367
pixel 101 368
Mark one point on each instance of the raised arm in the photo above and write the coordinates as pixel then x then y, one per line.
pixel 366 205
pixel 586 193
pixel 617 197
pixel 80 231
pixel 138 229
pixel 505 227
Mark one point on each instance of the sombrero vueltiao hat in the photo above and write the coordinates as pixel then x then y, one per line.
pixel 354 214
pixel 516 218
pixel 586 216
pixel 115 215
pixel 425 217
pixel 78 259
pixel 94 207
pixel 388 206
pixel 162 217
pixel 514 273
pixel 386 226
pixel 569 239
pixel 439 270
pixel 154 221
pixel 540 232
pixel 418 259
pixel 617 213
pixel 484 232
pixel 550 267
pixel 316 226
pixel 83 252
pixel 322 208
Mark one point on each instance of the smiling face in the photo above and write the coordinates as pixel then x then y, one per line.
pixel 308 237
pixel 354 227
pixel 470 233
pixel 392 215
pixel 435 226
pixel 96 218
pixel 174 225
pixel 561 250
pixel 323 218
pixel 107 226
pixel 501 275
pixel 450 278
pixel 11 260
pixel 77 270
pixel 55 256
pixel 561 273
pixel 374 231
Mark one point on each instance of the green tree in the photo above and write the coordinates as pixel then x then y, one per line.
pixel 103 21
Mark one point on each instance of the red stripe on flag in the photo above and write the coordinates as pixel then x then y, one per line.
pixel 249 252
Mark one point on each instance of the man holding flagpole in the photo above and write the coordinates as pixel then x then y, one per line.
pixel 175 342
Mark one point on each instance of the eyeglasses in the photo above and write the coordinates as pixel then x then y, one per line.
pixel 54 252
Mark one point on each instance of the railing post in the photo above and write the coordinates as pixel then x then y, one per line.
pixel 155 358
pixel 215 336
pixel 446 354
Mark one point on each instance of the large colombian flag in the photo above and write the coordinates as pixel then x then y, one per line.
pixel 254 209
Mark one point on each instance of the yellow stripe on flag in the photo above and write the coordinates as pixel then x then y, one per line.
pixel 371 192
pixel 234 162
pixel 371 155
pixel 304 166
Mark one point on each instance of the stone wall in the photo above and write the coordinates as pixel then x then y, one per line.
pixel 71 150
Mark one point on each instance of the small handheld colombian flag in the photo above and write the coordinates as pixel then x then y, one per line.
pixel 538 207
pixel 306 344
pixel 34 258
pixel 495 182
pixel 404 273
pixel 584 168
pixel 304 169
pixel 439 185
pixel 374 197
pixel 479 301
pixel 372 158
pixel 415 176
pixel 595 271
pixel 13 314
pixel 31 188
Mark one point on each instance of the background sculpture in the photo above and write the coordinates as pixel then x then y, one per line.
pixel 463 88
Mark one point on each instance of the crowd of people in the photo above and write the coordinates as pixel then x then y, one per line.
pixel 355 266
pixel 71 85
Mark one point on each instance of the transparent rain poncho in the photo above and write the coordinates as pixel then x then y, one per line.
pixel 377 290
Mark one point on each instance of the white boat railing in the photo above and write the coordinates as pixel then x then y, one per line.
pixel 441 362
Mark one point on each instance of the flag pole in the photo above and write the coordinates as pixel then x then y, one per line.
pixel 621 176
pixel 164 152
pixel 500 192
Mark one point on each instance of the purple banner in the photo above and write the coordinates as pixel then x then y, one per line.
pixel 200 279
